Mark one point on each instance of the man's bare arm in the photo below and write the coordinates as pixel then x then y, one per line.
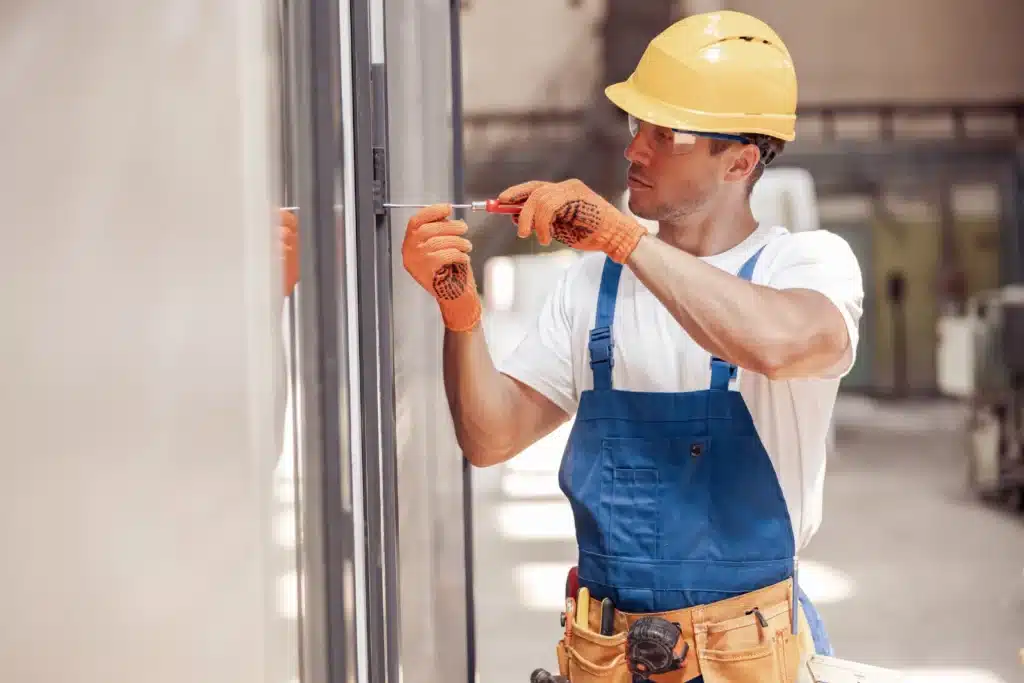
pixel 782 334
pixel 495 416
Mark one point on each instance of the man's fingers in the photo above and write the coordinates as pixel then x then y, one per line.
pixel 545 214
pixel 524 226
pixel 415 237
pixel 517 194
pixel 441 243
pixel 446 257
pixel 535 209
pixel 430 214
pixel 428 230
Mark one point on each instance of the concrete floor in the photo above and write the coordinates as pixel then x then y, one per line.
pixel 908 570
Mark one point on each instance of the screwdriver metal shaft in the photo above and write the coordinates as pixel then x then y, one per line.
pixel 423 206
pixel 489 205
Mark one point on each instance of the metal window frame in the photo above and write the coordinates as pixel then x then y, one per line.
pixel 333 601
pixel 375 334
pixel 335 143
pixel 330 533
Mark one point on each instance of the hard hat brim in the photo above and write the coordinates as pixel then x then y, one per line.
pixel 626 96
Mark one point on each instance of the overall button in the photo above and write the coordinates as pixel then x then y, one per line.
pixel 696 449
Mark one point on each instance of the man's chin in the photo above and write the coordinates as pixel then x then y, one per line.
pixel 642 209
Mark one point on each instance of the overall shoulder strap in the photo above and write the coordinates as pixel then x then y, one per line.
pixel 721 372
pixel 746 271
pixel 601 342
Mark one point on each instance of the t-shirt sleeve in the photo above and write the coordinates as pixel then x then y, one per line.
pixel 823 261
pixel 543 359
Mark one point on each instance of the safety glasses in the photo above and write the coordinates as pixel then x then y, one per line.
pixel 675 141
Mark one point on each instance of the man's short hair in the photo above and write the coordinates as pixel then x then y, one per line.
pixel 769 147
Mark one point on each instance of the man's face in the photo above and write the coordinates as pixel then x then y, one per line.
pixel 671 176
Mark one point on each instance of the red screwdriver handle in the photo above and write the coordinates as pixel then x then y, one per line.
pixel 494 206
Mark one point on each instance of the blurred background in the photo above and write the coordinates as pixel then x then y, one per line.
pixel 206 480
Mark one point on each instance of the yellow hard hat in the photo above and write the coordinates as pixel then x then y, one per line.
pixel 719 72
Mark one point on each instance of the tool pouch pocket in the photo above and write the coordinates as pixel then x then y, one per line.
pixel 588 657
pixel 755 648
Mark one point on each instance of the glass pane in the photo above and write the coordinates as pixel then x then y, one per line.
pixel 430 465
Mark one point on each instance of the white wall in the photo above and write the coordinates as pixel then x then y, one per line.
pixel 140 414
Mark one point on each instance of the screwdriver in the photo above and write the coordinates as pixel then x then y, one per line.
pixel 488 205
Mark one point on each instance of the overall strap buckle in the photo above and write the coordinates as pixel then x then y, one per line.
pixel 601 356
pixel 722 373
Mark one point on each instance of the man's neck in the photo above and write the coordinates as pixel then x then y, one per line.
pixel 707 234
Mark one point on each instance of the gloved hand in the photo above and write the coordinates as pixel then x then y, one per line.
pixel 437 256
pixel 289 250
pixel 574 215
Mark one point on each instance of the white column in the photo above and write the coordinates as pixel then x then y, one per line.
pixel 141 417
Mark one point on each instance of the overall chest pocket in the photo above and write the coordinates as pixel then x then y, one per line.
pixel 647 487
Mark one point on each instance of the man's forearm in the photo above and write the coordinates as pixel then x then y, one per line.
pixel 777 333
pixel 478 397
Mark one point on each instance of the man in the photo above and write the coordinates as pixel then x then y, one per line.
pixel 702 364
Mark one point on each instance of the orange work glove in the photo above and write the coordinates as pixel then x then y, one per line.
pixel 437 256
pixel 574 215
pixel 289 250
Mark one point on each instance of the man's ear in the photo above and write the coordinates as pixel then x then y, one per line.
pixel 744 159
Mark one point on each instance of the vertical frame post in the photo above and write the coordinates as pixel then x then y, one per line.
pixel 331 598
pixel 372 283
pixel 459 195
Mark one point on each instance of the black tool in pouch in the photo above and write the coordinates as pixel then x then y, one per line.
pixel 651 648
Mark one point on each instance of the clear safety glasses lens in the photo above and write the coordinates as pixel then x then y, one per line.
pixel 674 141
pixel 634 125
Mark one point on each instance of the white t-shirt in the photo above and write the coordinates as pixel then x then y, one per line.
pixel 654 353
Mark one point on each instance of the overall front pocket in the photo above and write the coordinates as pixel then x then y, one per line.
pixel 632 512
pixel 645 484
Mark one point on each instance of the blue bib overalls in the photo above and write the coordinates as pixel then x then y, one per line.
pixel 676 502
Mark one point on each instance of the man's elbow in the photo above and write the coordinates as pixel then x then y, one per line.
pixel 774 366
pixel 486 454
pixel 799 361
pixel 482 458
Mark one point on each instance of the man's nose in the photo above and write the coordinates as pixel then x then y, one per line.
pixel 639 150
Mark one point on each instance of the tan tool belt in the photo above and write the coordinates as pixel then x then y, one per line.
pixel 728 642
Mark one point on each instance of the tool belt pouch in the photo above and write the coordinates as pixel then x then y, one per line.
pixel 758 647
pixel 588 657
